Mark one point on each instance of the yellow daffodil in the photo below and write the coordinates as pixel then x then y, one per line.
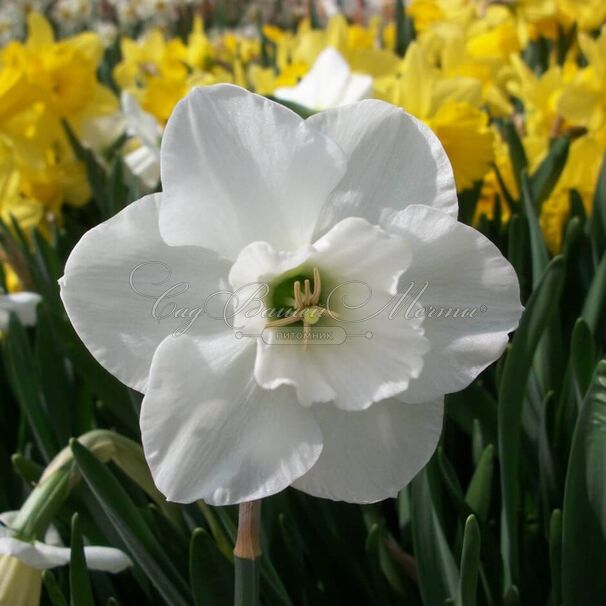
pixel 450 106
pixel 494 186
pixel 538 19
pixel 541 95
pixel 494 36
pixel 62 75
pixel 587 14
pixel 583 102
pixel 426 13
pixel 580 174
pixel 149 57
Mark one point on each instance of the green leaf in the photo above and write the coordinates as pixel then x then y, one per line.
pixel 405 32
pixel 479 491
pixel 55 595
pixel 548 476
pixel 555 556
pixel 538 251
pixel 23 372
pixel 314 19
pixel 54 378
pixel 436 568
pixel 517 250
pixel 594 307
pixel 584 511
pixel 539 310
pixel 547 174
pixel 470 564
pixel 517 153
pixel 81 593
pixel 597 221
pixel 512 597
pixel 452 484
pixel 473 404
pixel 387 559
pixel 508 197
pixel 582 356
pixel 211 573
pixel 29 471
pixel 130 525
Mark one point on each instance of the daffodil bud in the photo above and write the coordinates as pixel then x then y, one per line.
pixel 109 446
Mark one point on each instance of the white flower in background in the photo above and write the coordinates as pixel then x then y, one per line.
pixel 329 83
pixel 157 12
pixel 21 563
pixel 106 30
pixel 362 194
pixel 100 132
pixel 126 11
pixel 22 304
pixel 27 6
pixel 143 162
pixel 12 23
pixel 71 15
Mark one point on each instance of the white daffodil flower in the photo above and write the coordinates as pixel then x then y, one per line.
pixel 100 132
pixel 22 304
pixel 22 563
pixel 143 162
pixel 361 196
pixel 329 83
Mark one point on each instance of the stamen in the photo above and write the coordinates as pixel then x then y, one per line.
pixel 307 307
pixel 298 299
pixel 315 297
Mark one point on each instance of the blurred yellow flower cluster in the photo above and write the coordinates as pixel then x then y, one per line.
pixel 160 71
pixel 45 83
pixel 472 65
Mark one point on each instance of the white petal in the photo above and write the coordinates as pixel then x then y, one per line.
pixel 370 455
pixel 209 432
pixel 358 87
pixel 378 360
pixel 36 555
pixel 42 556
pixel 464 271
pixel 356 250
pixel 22 304
pixel 100 132
pixel 145 164
pixel 379 357
pixel 393 160
pixel 123 287
pixel 106 559
pixel 323 86
pixel 141 124
pixel 237 168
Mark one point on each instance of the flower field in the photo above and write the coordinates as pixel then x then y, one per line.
pixel 156 450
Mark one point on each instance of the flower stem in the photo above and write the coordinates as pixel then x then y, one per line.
pixel 247 555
